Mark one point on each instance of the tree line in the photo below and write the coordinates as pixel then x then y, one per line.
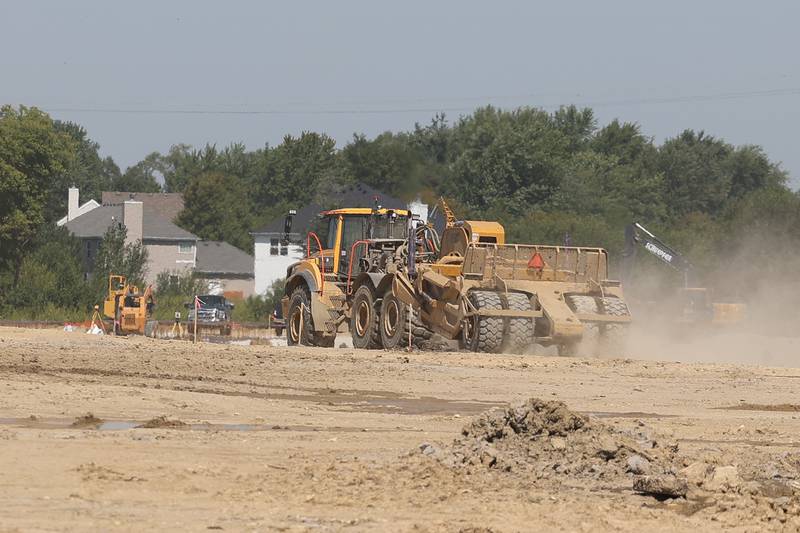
pixel 548 176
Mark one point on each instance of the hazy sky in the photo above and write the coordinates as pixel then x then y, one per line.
pixel 729 67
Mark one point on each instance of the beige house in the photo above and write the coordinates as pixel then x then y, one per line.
pixel 169 248
pixel 148 217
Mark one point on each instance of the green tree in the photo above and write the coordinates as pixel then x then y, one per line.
pixel 695 173
pixel 390 163
pixel 89 172
pixel 183 163
pixel 512 160
pixel 577 125
pixel 33 155
pixel 52 274
pixel 141 177
pixel 751 170
pixel 292 170
pixel 626 142
pixel 621 193
pixel 217 208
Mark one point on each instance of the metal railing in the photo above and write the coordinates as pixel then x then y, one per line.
pixel 564 259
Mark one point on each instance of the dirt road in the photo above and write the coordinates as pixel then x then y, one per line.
pixel 289 439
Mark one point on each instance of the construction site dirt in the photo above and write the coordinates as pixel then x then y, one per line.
pixel 114 434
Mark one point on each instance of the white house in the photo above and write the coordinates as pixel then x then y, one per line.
pixel 275 251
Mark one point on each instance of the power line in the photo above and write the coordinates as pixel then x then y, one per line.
pixel 790 91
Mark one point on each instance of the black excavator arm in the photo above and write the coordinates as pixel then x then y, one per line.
pixel 637 235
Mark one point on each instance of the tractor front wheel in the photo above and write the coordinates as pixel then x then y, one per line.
pixel 299 325
pixel 364 319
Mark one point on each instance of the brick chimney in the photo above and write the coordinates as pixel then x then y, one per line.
pixel 73 196
pixel 133 217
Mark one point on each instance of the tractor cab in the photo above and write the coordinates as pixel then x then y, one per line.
pixel 349 230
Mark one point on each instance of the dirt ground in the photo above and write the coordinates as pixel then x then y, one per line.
pixel 290 439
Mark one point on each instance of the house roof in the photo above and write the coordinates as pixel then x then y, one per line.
pixel 166 204
pixel 217 257
pixel 85 208
pixel 96 222
pixel 354 195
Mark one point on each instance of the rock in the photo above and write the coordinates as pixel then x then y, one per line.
pixel 607 447
pixel 427 449
pixel 664 485
pixel 558 443
pixel 489 456
pixel 723 479
pixel 696 472
pixel 638 465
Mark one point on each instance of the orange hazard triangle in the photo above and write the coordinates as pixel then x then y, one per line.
pixel 536 262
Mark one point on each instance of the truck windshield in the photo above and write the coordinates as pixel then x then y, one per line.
pixel 209 301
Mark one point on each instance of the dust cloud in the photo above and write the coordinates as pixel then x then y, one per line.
pixel 762 275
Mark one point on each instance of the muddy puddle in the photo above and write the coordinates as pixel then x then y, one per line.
pixel 777 408
pixel 124 425
pixel 384 402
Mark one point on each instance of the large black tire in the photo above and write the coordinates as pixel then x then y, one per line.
pixel 520 330
pixel 591 331
pixel 299 324
pixel 614 335
pixel 302 331
pixel 364 319
pixel 482 333
pixel 394 325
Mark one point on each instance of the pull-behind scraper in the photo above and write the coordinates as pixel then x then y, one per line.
pixel 469 285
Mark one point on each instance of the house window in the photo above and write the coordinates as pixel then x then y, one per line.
pixel 284 250
pixel 274 245
pixel 184 247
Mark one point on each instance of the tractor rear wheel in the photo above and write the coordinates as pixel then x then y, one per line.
pixel 364 319
pixel 394 325
pixel 483 333
pixel 520 330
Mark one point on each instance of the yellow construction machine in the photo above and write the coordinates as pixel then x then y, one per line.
pixel 396 283
pixel 128 307
pixel 692 305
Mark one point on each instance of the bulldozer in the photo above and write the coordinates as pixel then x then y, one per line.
pixel 396 283
pixel 128 307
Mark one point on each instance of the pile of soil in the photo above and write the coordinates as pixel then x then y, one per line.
pixel 86 421
pixel 162 422
pixel 546 440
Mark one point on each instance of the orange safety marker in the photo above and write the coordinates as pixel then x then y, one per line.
pixel 536 262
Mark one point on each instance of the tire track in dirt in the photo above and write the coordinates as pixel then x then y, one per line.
pixel 370 401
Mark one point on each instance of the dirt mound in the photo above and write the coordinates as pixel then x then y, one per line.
pixel 86 421
pixel 162 422
pixel 546 440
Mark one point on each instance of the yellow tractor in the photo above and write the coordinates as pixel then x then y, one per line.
pixel 397 284
pixel 128 307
